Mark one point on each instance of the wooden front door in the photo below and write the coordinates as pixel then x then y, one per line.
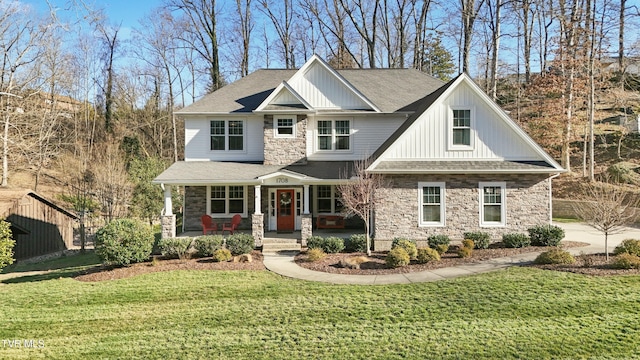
pixel 285 213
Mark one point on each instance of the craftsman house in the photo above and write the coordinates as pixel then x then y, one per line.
pixel 273 145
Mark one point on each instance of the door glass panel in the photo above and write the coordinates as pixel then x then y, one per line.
pixel 285 204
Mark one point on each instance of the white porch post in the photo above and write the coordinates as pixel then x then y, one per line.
pixel 257 208
pixel 168 205
pixel 306 199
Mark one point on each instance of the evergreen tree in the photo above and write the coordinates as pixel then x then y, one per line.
pixel 438 61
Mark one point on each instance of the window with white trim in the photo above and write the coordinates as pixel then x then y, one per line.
pixel 227 200
pixel 328 199
pixel 431 200
pixel 492 203
pixel 334 135
pixel 227 135
pixel 461 124
pixel 284 127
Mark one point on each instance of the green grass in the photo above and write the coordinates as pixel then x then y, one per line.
pixel 66 263
pixel 518 313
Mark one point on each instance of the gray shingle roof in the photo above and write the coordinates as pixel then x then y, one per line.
pixel 244 95
pixel 464 167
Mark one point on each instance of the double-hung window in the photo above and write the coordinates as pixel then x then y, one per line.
pixel 492 203
pixel 227 135
pixel 334 135
pixel 227 200
pixel 284 127
pixel 431 200
pixel 328 199
pixel 461 125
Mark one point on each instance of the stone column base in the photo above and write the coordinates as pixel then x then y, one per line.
pixel 257 228
pixel 168 223
pixel 306 230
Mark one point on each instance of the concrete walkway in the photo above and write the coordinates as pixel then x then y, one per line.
pixel 283 264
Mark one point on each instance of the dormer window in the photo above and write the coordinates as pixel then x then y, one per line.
pixel 284 127
pixel 461 124
pixel 334 135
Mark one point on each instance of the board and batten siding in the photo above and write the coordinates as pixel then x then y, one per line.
pixel 197 135
pixel 322 90
pixel 367 134
pixel 428 137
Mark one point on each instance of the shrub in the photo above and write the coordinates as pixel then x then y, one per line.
pixel 435 240
pixel 555 256
pixel 546 235
pixel 124 241
pixel 628 246
pixel 6 244
pixel 240 244
pixel 408 246
pixel 315 242
pixel 397 257
pixel 221 255
pixel 315 254
pixel 333 245
pixel 465 252
pixel 480 239
pixel 175 247
pixel 442 248
pixel 206 245
pixel 395 241
pixel 626 261
pixel 516 240
pixel 427 254
pixel 468 243
pixel 356 243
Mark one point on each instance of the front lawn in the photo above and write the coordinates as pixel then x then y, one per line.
pixel 518 313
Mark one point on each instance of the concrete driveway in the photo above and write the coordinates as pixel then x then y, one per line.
pixel 585 233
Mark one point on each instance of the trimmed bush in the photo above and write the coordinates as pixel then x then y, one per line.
pixel 426 255
pixel 123 242
pixel 481 239
pixel 395 241
pixel 315 254
pixel 516 240
pixel 626 261
pixel 435 240
pixel 6 244
pixel 175 247
pixel 315 242
pixel 408 246
pixel 333 245
pixel 465 252
pixel 222 255
pixel 442 248
pixel 356 243
pixel 240 244
pixel 468 243
pixel 628 246
pixel 206 245
pixel 397 257
pixel 555 256
pixel 546 235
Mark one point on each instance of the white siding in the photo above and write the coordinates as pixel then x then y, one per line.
pixel 198 140
pixel 367 134
pixel 493 138
pixel 322 90
pixel 285 98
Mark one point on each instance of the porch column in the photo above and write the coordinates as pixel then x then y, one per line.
pixel 258 202
pixel 168 206
pixel 306 199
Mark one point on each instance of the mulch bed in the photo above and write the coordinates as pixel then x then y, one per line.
pixel 101 273
pixel 592 264
pixel 376 264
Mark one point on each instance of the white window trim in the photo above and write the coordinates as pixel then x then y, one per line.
pixel 226 191
pixel 503 207
pixel 275 126
pixel 334 136
pixel 226 137
pixel 334 197
pixel 472 124
pixel 443 202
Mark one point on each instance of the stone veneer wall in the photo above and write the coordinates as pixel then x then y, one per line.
pixel 195 205
pixel 527 204
pixel 285 151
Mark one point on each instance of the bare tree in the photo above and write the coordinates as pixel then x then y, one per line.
pixel 607 207
pixel 419 41
pixel 469 13
pixel 358 194
pixel 364 18
pixel 110 41
pixel 283 27
pixel 244 28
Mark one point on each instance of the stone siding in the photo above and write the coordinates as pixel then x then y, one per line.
pixel 527 204
pixel 306 228
pixel 285 151
pixel 257 228
pixel 195 205
pixel 168 225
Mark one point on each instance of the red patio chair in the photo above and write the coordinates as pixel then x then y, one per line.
pixel 208 224
pixel 231 227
